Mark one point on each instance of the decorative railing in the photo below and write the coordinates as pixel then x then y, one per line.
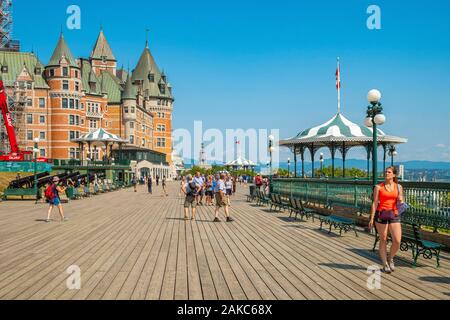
pixel 76 162
pixel 429 202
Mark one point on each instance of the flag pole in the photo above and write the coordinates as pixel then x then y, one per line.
pixel 338 84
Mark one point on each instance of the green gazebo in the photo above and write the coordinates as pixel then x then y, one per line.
pixel 337 134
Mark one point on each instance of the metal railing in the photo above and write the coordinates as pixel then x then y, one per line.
pixel 429 201
pixel 76 162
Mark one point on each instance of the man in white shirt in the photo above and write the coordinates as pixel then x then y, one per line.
pixel 198 179
pixel 220 191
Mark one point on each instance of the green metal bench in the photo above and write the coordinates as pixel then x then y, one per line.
pixel 19 193
pixel 341 223
pixel 412 239
pixel 299 209
pixel 261 198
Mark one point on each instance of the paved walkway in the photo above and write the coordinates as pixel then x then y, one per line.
pixel 136 246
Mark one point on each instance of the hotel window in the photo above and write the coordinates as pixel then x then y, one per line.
pixel 71 135
pixel 143 142
pixel 76 73
pixel 29 119
pixel 131 139
pixel 77 120
pixel 41 103
pixel 143 128
pixel 77 104
pixel 65 85
pixel 161 142
pixel 132 110
pixel 41 119
pixel 126 109
pixel 5 69
pixel 159 102
pixel 71 104
pixel 52 72
pixel 82 106
pixel 30 135
pixel 77 86
pixel 131 125
pixel 29 85
pixel 29 102
pixel 65 71
pixel 71 120
pixel 42 135
pixel 72 153
pixel 64 103
pixel 162 88
pixel 42 152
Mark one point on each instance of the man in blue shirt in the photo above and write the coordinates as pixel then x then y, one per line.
pixel 220 191
pixel 198 179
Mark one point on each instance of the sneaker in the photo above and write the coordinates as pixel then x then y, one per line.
pixel 387 269
pixel 392 265
pixel 229 219
pixel 216 220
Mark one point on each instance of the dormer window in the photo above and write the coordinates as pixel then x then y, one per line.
pixel 65 71
pixel 93 86
pixel 5 69
pixel 52 72
pixel 38 71
pixel 162 88
pixel 104 59
pixel 151 77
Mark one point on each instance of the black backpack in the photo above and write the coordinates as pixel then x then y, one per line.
pixel 193 189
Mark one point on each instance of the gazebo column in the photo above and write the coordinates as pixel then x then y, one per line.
pixel 344 155
pixel 333 155
pixel 89 151
pixel 302 155
pixel 295 162
pixel 313 152
pixel 368 149
pixel 384 157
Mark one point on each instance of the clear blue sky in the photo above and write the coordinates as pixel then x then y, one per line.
pixel 271 64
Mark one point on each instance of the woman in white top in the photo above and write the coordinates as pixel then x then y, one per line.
pixel 229 188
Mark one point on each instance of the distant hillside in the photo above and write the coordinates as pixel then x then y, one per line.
pixel 362 164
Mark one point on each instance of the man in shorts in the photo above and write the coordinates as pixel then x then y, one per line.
pixel 198 179
pixel 190 189
pixel 221 202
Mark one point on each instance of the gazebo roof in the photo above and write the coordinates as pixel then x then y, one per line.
pixel 339 130
pixel 241 162
pixel 100 135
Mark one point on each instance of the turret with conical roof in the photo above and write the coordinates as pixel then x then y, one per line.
pixel 129 92
pixel 102 57
pixel 62 51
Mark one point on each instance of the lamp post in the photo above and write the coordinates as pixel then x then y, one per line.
pixel 392 154
pixel 289 167
pixel 35 155
pixel 271 149
pixel 321 164
pixel 374 117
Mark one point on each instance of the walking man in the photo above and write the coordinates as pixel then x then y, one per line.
pixel 198 179
pixel 190 190
pixel 221 201
pixel 149 184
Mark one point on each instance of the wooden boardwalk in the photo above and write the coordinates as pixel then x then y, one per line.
pixel 136 246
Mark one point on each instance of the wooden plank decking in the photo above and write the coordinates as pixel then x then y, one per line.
pixel 137 246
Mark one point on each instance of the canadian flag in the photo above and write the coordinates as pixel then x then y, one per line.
pixel 338 77
pixel 238 142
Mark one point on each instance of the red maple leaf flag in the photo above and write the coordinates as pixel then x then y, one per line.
pixel 338 77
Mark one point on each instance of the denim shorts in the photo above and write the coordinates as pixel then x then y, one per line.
pixel 55 202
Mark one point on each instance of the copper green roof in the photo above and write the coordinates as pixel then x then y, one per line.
pixel 62 50
pixel 102 48
pixel 111 85
pixel 16 62
pixel 146 66
pixel 129 93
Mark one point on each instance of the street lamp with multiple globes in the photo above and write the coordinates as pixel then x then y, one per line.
pixel 374 117
pixel 271 149
pixel 289 167
pixel 35 156
pixel 392 154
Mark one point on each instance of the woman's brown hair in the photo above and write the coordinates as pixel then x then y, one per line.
pixel 394 171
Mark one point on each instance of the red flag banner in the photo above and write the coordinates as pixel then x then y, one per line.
pixel 338 78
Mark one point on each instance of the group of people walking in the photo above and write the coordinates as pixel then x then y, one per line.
pixel 217 191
